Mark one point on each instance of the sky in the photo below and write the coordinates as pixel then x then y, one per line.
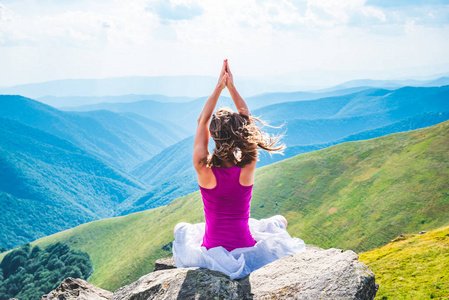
pixel 44 40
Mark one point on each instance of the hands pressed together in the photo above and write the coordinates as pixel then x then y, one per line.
pixel 226 78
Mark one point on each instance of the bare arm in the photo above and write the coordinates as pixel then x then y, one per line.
pixel 240 104
pixel 200 145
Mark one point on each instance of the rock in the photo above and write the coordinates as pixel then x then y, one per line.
pixel 398 238
pixel 185 283
pixel 164 264
pixel 313 274
pixel 75 288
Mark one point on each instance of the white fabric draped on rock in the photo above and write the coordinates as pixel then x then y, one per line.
pixel 272 242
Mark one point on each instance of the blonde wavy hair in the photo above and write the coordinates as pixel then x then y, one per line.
pixel 238 138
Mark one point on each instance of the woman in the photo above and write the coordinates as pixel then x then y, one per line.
pixel 230 241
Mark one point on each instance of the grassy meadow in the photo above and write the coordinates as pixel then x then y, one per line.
pixel 414 266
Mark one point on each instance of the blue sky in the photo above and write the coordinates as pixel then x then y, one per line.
pixel 51 39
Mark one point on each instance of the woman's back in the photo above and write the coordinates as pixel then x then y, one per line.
pixel 227 208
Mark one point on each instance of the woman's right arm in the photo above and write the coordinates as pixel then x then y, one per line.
pixel 200 144
pixel 240 104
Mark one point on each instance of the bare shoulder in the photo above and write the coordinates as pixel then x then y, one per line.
pixel 247 173
pixel 206 177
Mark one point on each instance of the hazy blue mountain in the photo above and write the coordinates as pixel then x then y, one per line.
pixel 189 86
pixel 48 184
pixel 184 86
pixel 83 103
pixel 401 101
pixel 389 84
pixel 185 114
pixel 61 102
pixel 438 82
pixel 365 110
pixel 118 139
pixel 373 83
pixel 168 129
pixel 266 99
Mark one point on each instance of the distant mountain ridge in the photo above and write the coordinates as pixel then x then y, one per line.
pixel 173 86
pixel 389 84
pixel 118 139
pixel 187 86
pixel 68 101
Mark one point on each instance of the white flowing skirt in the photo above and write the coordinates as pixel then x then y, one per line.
pixel 272 243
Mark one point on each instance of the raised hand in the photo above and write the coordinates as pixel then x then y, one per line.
pixel 223 76
pixel 230 78
pixel 240 104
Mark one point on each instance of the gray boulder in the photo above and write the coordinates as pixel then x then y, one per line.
pixel 75 288
pixel 312 274
pixel 185 283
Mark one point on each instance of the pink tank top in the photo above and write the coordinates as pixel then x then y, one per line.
pixel 226 207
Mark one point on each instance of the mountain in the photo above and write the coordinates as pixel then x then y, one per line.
pixel 337 117
pixel 181 114
pixel 94 103
pixel 438 82
pixel 185 114
pixel 48 184
pixel 79 100
pixel 356 195
pixel 262 100
pixel 120 140
pixel 187 86
pixel 389 84
pixel 418 261
pixel 394 104
pixel 172 86
pixel 369 108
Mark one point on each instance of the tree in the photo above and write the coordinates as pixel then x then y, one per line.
pixel 29 272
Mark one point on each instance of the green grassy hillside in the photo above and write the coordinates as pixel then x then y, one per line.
pixel 357 195
pixel 412 266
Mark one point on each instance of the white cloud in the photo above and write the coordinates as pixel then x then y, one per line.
pixel 140 37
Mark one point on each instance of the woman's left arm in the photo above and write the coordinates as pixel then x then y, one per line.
pixel 200 145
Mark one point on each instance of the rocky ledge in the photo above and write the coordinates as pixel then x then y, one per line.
pixel 311 274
